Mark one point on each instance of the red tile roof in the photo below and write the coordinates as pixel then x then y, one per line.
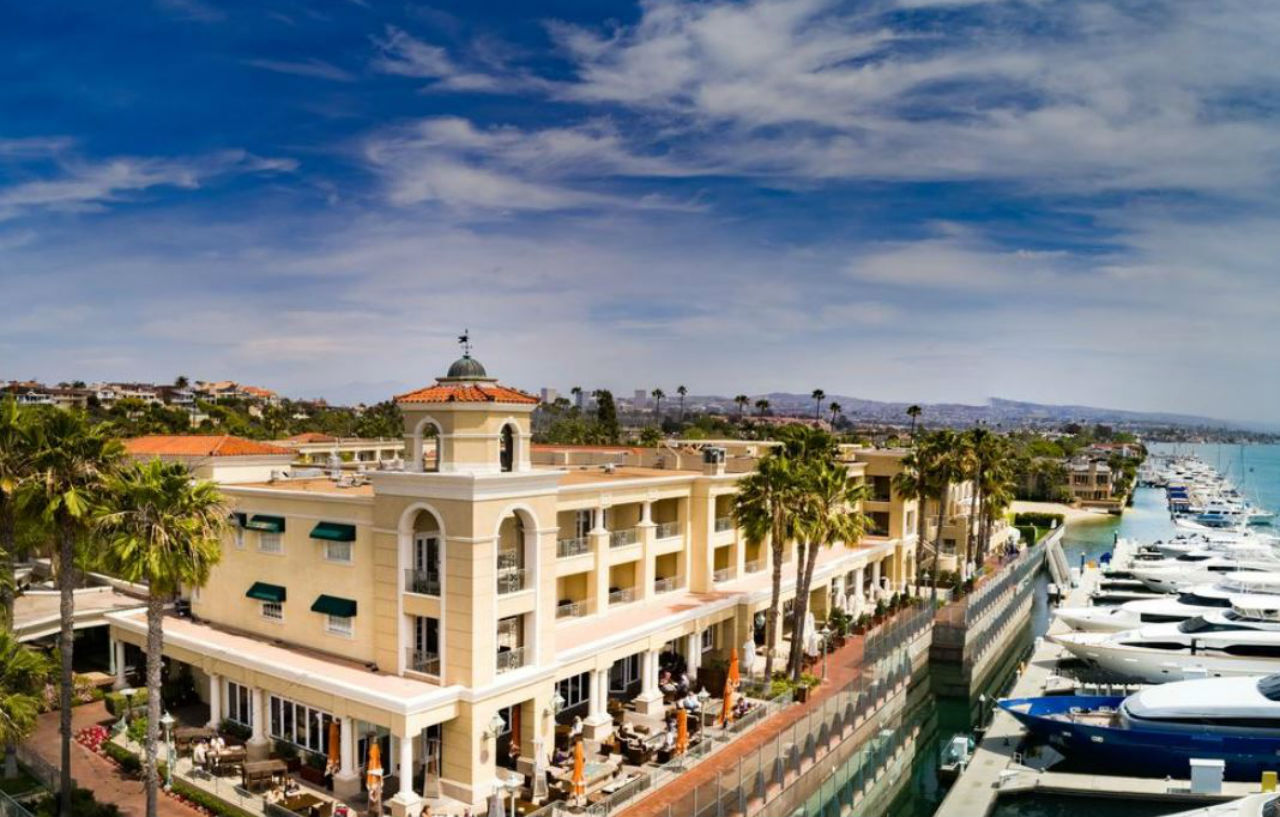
pixel 199 445
pixel 312 437
pixel 466 393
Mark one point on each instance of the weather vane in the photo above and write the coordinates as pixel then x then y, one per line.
pixel 465 340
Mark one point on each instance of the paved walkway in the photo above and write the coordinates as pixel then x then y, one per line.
pixel 97 773
pixel 843 666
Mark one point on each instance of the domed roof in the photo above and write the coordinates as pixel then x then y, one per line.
pixel 466 368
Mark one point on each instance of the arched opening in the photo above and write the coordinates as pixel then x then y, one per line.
pixel 507 454
pixel 424 575
pixel 430 447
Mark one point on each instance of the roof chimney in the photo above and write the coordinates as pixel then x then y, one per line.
pixel 713 461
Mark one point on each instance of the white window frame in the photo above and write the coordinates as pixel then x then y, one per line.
pixel 270 608
pixel 239 701
pixel 340 625
pixel 708 639
pixel 299 715
pixel 329 555
pixel 576 690
pixel 265 536
pixel 630 673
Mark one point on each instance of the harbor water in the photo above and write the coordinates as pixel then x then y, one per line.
pixel 1255 470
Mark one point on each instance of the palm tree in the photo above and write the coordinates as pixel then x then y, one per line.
pixel 762 509
pixel 657 395
pixel 576 391
pixel 742 400
pixel 829 515
pixel 68 466
pixel 818 396
pixel 164 530
pixel 23 674
pixel 16 443
pixel 682 391
pixel 762 406
pixel 181 382
pixel 945 467
pixel 835 409
pixel 914 411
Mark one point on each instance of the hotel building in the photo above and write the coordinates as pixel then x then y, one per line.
pixel 441 609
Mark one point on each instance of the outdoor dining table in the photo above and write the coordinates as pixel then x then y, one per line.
pixel 218 759
pixel 262 771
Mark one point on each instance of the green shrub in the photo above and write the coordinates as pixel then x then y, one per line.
pixel 285 751
pixel 83 804
pixel 129 762
pixel 137 730
pixel 235 730
pixel 116 702
pixel 206 800
pixel 1038 519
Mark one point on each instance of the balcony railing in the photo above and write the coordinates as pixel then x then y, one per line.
pixel 421 582
pixel 667 585
pixel 754 566
pixel 668 530
pixel 508 559
pixel 625 596
pixel 622 538
pixel 571 609
pixel 511 581
pixel 511 659
pixel 724 574
pixel 724 523
pixel 573 547
pixel 428 663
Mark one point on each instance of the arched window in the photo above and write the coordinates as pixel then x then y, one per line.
pixel 507 457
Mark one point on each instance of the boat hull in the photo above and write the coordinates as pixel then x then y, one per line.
pixel 1139 752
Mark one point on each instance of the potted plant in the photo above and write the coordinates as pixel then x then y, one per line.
pixel 289 754
pixel 312 769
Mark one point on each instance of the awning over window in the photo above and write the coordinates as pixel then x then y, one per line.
pixel 334 606
pixel 270 524
pixel 266 592
pixel 334 532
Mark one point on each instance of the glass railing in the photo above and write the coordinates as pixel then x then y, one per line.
pixel 724 523
pixel 622 538
pixel 508 559
pixel 573 547
pixel 422 582
pixel 669 530
pixel 622 596
pixel 511 581
pixel 428 663
pixel 754 566
pixel 667 585
pixel 511 659
pixel 571 609
pixel 724 574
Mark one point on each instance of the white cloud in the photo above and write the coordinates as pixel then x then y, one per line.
pixel 316 69
pixel 401 54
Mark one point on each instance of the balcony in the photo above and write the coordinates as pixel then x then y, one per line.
pixel 724 574
pixel 625 596
pixel 427 663
pixel 667 585
pixel 668 530
pixel 511 659
pixel 512 580
pixel 421 582
pixel 572 547
pixel 624 537
pixel 572 609
pixel 724 523
pixel 753 566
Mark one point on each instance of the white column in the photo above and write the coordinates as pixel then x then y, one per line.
pixel 215 700
pixel 693 654
pixel 414 458
pixel 598 725
pixel 346 783
pixel 406 803
pixel 649 701
pixel 117 652
pixel 258 746
pixel 646 514
pixel 875 578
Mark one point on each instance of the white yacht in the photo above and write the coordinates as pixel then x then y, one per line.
pixel 1196 567
pixel 1243 640
pixel 1188 603
pixel 1253 805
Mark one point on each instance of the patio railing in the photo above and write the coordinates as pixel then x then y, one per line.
pixel 576 546
pixel 753 566
pixel 668 530
pixel 622 538
pixel 625 596
pixel 667 584
pixel 511 581
pixel 511 659
pixel 572 609
pixel 724 523
pixel 428 663
pixel 421 582
pixel 724 574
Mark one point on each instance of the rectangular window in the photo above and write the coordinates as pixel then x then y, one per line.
pixel 340 625
pixel 624 673
pixel 239 704
pixel 581 523
pixel 270 542
pixel 300 725
pixel 273 610
pixel 878 523
pixel 881 489
pixel 910 523
pixel 338 552
pixel 576 690
pixel 949 546
pixel 708 639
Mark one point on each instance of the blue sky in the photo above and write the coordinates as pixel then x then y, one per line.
pixel 900 199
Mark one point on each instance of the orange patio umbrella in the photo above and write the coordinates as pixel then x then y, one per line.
pixel 579 770
pixel 735 672
pixel 682 730
pixel 373 771
pixel 335 748
pixel 730 684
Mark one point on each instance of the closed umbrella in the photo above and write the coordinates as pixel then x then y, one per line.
pixel 579 770
pixel 335 749
pixel 735 670
pixel 373 777
pixel 682 730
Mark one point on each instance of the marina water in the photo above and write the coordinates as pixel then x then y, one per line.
pixel 1255 470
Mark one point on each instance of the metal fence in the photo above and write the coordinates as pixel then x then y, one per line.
pixel 40 769
pixel 12 808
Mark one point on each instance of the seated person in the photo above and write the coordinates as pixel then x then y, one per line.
pixel 199 753
pixel 689 702
pixel 669 739
pixel 559 757
pixel 576 730
pixel 682 686
pixel 273 795
pixel 291 787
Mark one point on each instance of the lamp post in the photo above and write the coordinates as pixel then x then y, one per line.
pixel 825 632
pixel 166 721
pixel 703 697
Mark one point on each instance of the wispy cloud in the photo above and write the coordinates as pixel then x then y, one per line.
pixel 317 69
pixel 404 55
pixel 197 10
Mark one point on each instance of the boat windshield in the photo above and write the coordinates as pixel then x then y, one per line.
pixel 1271 808
pixel 1203 601
pixel 1199 624
pixel 1269 686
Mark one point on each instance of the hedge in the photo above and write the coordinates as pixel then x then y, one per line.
pixel 206 800
pixel 1038 519
pixel 129 762
pixel 1030 534
pixel 117 703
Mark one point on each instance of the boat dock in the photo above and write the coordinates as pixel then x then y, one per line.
pixel 996 768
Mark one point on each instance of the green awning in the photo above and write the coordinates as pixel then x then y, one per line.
pixel 270 524
pixel 334 606
pixel 334 532
pixel 266 592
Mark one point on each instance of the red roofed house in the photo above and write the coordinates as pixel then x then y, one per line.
pixel 220 457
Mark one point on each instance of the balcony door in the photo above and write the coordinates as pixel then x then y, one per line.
pixel 426 559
